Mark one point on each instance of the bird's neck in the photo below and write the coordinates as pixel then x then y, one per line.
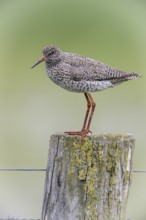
pixel 52 63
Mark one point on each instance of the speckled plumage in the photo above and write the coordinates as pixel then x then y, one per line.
pixel 81 74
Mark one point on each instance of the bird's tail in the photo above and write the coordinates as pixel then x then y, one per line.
pixel 132 76
pixel 124 77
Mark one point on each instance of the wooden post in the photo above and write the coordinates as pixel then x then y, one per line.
pixel 88 180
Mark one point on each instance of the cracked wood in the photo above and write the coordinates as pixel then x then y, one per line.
pixel 88 180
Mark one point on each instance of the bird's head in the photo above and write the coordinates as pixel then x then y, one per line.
pixel 51 55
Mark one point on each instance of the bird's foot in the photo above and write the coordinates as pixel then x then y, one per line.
pixel 82 133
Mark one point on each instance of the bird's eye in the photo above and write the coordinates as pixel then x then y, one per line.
pixel 52 52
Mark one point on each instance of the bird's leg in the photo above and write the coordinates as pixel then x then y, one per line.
pixel 87 112
pixel 92 112
pixel 85 130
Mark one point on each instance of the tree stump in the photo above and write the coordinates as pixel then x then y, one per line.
pixel 88 179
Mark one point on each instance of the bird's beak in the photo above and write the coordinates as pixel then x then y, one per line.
pixel 39 61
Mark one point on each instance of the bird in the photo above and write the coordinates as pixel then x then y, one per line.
pixel 81 74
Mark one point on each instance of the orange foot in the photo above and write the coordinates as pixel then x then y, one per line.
pixel 81 133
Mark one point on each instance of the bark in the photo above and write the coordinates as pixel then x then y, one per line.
pixel 88 179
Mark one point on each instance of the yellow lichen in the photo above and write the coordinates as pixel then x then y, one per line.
pixel 87 159
pixel 126 176
pixel 112 180
pixel 87 162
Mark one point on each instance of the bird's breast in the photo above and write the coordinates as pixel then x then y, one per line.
pixel 69 83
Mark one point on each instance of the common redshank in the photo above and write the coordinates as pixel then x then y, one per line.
pixel 81 74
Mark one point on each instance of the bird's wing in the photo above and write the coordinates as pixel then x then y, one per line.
pixel 98 72
pixel 82 68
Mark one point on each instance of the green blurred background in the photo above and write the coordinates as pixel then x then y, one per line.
pixel 32 107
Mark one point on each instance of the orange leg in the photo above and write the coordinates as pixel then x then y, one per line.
pixel 92 111
pixel 88 118
pixel 87 112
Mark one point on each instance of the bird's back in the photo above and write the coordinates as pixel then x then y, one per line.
pixel 90 69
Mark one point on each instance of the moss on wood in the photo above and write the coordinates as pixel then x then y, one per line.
pixel 92 174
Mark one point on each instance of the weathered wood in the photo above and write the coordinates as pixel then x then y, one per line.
pixel 12 218
pixel 88 180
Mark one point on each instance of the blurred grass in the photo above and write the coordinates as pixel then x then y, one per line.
pixel 32 107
